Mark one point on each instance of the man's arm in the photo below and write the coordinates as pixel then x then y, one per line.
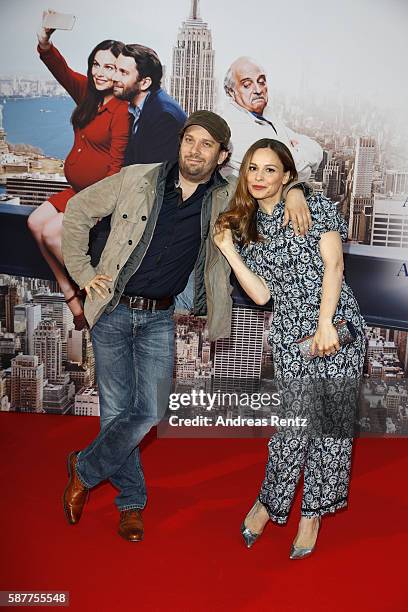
pixel 81 214
pixel 296 208
pixel 308 155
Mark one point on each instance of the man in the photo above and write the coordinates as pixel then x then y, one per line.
pixel 156 117
pixel 162 222
pixel 156 120
pixel 250 118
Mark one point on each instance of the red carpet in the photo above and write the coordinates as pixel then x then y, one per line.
pixel 193 558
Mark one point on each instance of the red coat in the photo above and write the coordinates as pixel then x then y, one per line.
pixel 99 147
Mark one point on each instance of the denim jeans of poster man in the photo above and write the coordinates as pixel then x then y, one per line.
pixel 134 352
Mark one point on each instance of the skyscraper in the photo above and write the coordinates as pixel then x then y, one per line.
pixel 12 299
pixel 74 345
pixel 402 343
pixel 332 180
pixel 390 222
pixel 3 295
pixel 364 167
pixel 88 357
pixel 48 348
pixel 57 398
pixel 79 374
pixel 87 402
pixel 80 351
pixel 26 319
pixel 35 189
pixel 240 355
pixel 396 182
pixel 9 297
pixel 27 381
pixel 10 345
pixel 4 399
pixel 361 195
pixel 192 81
pixel 53 307
pixel 327 155
pixel 206 352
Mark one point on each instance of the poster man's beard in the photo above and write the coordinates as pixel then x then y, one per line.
pixel 129 93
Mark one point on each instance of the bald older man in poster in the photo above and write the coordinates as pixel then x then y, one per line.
pixel 250 118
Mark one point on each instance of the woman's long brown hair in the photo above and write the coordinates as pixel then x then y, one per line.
pixel 240 217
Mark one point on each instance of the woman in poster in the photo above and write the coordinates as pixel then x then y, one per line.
pixel 304 275
pixel 101 126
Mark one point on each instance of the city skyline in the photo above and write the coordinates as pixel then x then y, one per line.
pixel 47 383
pixel 43 360
pixel 312 51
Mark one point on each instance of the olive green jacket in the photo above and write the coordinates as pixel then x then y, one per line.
pixel 131 196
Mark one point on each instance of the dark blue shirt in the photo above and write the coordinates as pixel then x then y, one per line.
pixel 173 250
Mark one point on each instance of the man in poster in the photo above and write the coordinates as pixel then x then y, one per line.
pixel 156 117
pixel 250 118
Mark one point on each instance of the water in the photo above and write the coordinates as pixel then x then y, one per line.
pixel 41 122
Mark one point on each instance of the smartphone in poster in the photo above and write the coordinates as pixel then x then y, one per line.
pixel 58 21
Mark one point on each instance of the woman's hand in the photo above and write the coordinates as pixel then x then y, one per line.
pixel 325 341
pixel 253 285
pixel 98 284
pixel 44 34
pixel 223 240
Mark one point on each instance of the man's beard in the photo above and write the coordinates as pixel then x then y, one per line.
pixel 128 93
pixel 194 173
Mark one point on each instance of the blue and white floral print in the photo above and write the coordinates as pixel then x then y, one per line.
pixel 293 269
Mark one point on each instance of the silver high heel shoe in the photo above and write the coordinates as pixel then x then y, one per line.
pixel 301 553
pixel 249 536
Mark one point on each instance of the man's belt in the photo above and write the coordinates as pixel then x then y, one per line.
pixel 142 303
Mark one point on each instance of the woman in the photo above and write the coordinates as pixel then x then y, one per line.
pixel 304 275
pixel 101 125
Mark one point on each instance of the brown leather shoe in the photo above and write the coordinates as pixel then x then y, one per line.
pixel 131 525
pixel 75 494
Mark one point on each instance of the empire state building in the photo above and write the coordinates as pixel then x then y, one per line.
pixel 192 80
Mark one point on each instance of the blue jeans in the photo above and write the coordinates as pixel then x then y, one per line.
pixel 134 353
